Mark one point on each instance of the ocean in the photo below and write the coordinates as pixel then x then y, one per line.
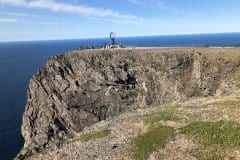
pixel 20 60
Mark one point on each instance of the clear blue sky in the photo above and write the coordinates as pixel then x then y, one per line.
pixel 76 19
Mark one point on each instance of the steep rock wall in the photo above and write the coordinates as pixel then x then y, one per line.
pixel 80 88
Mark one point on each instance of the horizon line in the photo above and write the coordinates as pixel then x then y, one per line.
pixel 90 38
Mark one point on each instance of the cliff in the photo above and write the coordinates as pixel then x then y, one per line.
pixel 80 88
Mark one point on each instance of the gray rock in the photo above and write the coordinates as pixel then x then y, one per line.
pixel 80 88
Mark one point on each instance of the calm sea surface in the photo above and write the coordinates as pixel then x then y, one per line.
pixel 20 60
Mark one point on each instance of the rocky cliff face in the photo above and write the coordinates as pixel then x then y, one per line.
pixel 80 88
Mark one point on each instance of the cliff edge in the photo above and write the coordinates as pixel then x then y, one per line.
pixel 80 88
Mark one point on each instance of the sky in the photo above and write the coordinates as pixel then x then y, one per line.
pixel 25 20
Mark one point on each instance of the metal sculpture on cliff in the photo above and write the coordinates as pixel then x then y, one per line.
pixel 113 38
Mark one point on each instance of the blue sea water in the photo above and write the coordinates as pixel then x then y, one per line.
pixel 20 60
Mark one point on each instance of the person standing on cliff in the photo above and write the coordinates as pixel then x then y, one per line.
pixel 105 45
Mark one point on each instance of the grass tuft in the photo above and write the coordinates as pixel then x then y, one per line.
pixel 95 135
pixel 155 139
pixel 222 134
pixel 153 120
pixel 171 107
pixel 226 103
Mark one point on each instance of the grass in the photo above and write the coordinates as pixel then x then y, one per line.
pixel 153 120
pixel 157 136
pixel 226 103
pixel 228 109
pixel 223 134
pixel 207 156
pixel 171 107
pixel 155 139
pixel 94 135
pixel 214 153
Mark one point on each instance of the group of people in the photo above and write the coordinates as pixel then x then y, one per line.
pixel 107 46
